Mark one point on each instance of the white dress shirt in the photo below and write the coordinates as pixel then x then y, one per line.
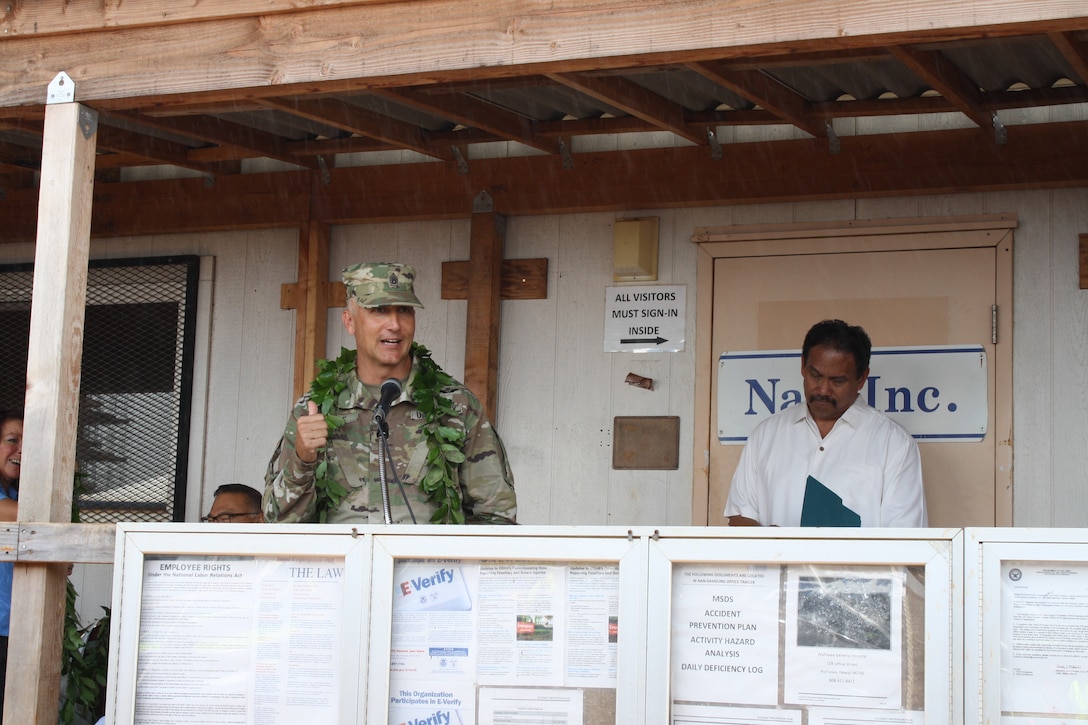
pixel 867 459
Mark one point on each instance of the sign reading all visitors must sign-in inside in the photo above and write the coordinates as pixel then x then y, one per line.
pixel 644 319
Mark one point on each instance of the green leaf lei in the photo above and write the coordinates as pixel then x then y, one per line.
pixel 445 444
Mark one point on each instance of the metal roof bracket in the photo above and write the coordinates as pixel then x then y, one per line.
pixel 483 203
pixel 833 145
pixel 462 164
pixel 323 170
pixel 62 89
pixel 1001 134
pixel 564 152
pixel 715 145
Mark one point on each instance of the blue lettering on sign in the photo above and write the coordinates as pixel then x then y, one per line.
pixel 789 397
pixel 898 400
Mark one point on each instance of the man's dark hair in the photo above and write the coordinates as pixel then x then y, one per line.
pixel 253 496
pixel 840 336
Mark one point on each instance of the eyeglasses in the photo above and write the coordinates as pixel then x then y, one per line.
pixel 225 518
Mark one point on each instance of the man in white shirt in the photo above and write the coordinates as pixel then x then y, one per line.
pixel 833 461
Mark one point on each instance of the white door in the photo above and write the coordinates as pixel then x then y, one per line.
pixel 920 296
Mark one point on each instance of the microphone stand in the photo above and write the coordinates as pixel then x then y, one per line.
pixel 383 446
pixel 385 455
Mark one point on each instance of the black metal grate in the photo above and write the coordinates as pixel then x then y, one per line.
pixel 135 392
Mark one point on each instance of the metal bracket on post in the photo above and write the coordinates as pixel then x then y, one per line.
pixel 833 145
pixel 88 121
pixel 564 153
pixel 62 89
pixel 462 164
pixel 715 145
pixel 323 170
pixel 1001 134
pixel 483 203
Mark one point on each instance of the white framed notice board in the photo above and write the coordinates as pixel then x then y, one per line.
pixel 1027 610
pixel 817 626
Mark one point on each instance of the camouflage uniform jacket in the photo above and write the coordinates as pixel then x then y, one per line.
pixel 487 484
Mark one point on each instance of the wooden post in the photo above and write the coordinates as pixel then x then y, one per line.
pixel 486 240
pixel 312 302
pixel 52 405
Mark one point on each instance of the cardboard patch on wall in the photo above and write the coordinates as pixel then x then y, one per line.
pixel 646 443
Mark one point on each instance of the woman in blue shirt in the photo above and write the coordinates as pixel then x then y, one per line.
pixel 11 458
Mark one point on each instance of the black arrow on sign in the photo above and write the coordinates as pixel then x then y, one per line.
pixel 637 340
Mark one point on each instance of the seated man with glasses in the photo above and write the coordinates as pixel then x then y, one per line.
pixel 235 503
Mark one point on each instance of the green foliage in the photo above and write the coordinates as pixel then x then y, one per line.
pixel 445 445
pixel 84 662
pixel 324 391
pixel 85 650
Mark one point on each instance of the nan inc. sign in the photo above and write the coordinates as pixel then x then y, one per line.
pixel 939 393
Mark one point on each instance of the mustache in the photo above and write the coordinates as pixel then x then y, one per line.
pixel 821 399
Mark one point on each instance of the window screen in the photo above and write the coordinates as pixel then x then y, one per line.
pixel 132 446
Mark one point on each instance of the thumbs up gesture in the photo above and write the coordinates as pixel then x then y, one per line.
pixel 312 433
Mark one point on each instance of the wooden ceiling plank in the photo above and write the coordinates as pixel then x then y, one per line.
pixel 33 18
pixel 946 79
pixel 766 92
pixel 473 113
pixel 1074 51
pixel 359 121
pixel 330 49
pixel 632 98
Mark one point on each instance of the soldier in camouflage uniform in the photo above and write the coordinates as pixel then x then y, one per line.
pixel 380 314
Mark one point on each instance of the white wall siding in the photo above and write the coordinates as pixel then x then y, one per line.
pixel 558 390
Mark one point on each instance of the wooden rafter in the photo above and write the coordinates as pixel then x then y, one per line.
pixel 469 111
pixel 156 150
pixel 1074 51
pixel 236 140
pixel 360 121
pixel 946 79
pixel 632 98
pixel 764 91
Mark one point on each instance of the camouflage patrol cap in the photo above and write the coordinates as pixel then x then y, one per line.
pixel 377 284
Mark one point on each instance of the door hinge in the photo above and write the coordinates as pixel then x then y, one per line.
pixel 993 324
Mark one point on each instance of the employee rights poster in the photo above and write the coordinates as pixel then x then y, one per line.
pixel 239 641
pixel 460 625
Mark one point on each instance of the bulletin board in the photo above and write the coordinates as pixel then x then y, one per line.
pixel 276 624
pixel 772 628
pixel 1027 591
pixel 240 623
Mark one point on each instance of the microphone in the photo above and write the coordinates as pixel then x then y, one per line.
pixel 390 392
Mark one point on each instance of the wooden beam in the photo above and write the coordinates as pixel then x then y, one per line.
pixel 31 18
pixel 52 405
pixel 312 302
pixel 225 134
pixel 468 111
pixel 1074 51
pixel 764 91
pixel 486 238
pixel 344 116
pixel 357 46
pixel 1084 261
pixel 522 279
pixel 629 97
pixel 884 165
pixel 933 68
